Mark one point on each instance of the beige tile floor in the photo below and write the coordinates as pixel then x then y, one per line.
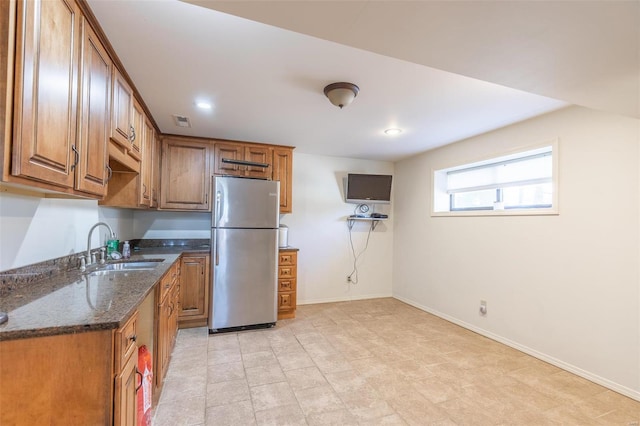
pixel 373 362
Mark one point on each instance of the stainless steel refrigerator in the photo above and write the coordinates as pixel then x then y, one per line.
pixel 244 253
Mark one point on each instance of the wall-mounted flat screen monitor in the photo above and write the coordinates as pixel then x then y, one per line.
pixel 368 189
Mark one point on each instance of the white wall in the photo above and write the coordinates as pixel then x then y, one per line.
pixel 34 229
pixel 319 229
pixel 565 288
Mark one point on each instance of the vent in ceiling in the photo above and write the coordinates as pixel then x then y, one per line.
pixel 181 121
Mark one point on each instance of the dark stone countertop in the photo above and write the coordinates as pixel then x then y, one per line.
pixel 73 302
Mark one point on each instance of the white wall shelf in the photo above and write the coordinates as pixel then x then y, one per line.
pixel 351 220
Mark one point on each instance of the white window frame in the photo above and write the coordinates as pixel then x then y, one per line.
pixel 440 201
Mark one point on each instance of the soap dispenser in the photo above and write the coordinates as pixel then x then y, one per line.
pixel 126 250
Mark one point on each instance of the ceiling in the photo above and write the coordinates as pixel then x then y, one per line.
pixel 441 71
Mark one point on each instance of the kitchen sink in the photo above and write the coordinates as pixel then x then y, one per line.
pixel 130 266
pixel 127 266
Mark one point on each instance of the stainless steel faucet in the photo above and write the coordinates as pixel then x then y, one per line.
pixel 89 259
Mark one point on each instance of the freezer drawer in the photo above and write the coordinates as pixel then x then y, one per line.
pixel 244 265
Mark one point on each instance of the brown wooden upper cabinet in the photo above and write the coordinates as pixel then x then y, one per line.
pixel 129 188
pixel 121 111
pixel 126 114
pixel 241 159
pixel 93 170
pixel 283 172
pixel 137 130
pixel 146 167
pixel 185 180
pixel 57 142
pixel 156 170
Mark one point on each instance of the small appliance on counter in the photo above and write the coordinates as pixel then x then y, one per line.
pixel 283 236
pixel 244 253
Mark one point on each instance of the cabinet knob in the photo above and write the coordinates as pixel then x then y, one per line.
pixel 133 338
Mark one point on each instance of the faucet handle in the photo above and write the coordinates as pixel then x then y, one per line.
pixel 83 264
pixel 102 254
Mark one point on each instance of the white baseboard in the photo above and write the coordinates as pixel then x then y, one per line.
pixel 343 298
pixel 529 351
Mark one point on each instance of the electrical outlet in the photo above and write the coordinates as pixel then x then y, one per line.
pixel 348 278
pixel 483 307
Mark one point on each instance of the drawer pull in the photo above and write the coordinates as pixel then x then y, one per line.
pixel 141 379
pixel 133 338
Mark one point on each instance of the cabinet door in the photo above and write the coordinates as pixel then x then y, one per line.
pixel 93 129
pixel 121 111
pixel 258 154
pixel 126 401
pixel 283 172
pixel 137 131
pixel 162 345
pixel 194 291
pixel 155 171
pixel 229 151
pixel 47 50
pixel 186 180
pixel 146 166
pixel 175 311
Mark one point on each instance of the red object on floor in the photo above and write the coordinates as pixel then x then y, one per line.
pixel 145 368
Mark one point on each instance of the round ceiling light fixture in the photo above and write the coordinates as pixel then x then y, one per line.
pixel 393 132
pixel 341 94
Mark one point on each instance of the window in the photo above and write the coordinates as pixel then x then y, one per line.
pixel 520 183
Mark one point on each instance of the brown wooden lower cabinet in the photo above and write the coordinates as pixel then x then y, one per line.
pixel 194 290
pixel 125 366
pixel 89 378
pixel 167 323
pixel 287 283
pixel 66 380
pixel 75 379
pixel 125 407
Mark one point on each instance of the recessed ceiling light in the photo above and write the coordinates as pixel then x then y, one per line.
pixel 203 105
pixel 393 132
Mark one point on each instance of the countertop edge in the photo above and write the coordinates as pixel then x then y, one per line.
pixel 174 254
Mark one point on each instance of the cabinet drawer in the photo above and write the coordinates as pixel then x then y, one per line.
pixel 287 284
pixel 286 301
pixel 168 280
pixel 286 272
pixel 125 344
pixel 287 258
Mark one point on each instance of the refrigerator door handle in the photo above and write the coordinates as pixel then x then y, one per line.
pixel 215 248
pixel 218 209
